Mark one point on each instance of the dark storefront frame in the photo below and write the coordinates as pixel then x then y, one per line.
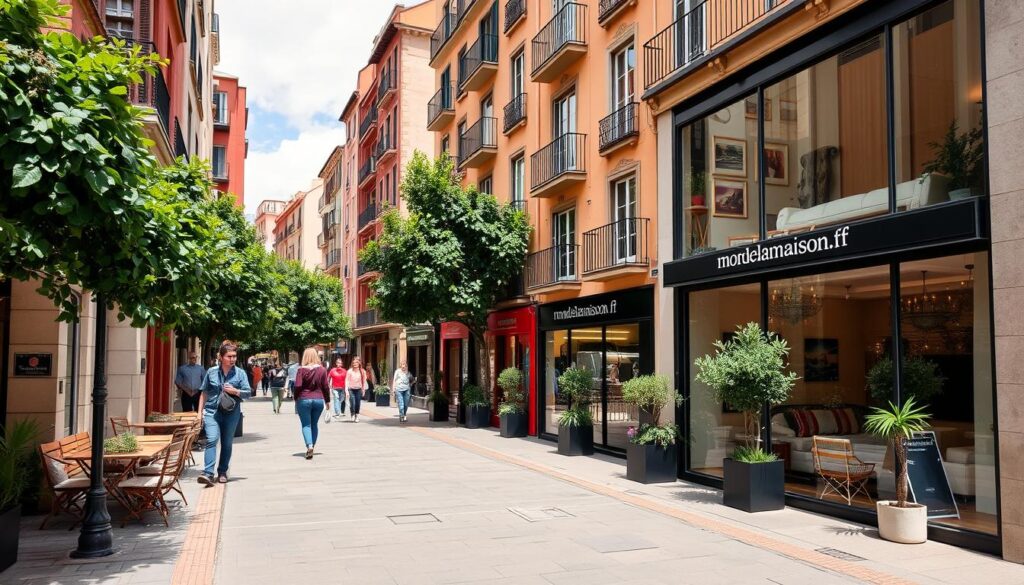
pixel 643 298
pixel 697 273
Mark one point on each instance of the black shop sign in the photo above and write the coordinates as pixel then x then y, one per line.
pixel 626 305
pixel 33 364
pixel 929 484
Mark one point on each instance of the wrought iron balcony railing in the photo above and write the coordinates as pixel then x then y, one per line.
pixel 367 170
pixel 483 51
pixel 565 154
pixel 479 136
pixel 515 112
pixel 620 243
pixel 552 265
pixel 567 27
pixel 440 104
pixel 384 146
pixel 698 33
pixel 333 258
pixel 388 83
pixel 152 91
pixel 514 10
pixel 367 215
pixel 618 126
pixel 369 121
pixel 367 318
pixel 444 31
pixel 607 8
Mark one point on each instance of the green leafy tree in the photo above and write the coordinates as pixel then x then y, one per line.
pixel 314 310
pixel 84 203
pixel 451 258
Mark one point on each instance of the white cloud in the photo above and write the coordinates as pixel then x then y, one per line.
pixel 290 167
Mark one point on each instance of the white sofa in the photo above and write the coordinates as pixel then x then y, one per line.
pixel 909 195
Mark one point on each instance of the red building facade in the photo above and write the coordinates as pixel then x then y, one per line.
pixel 230 147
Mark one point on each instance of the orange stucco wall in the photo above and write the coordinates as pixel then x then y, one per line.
pixel 232 137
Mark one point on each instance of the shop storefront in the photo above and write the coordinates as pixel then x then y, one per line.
pixel 513 335
pixel 456 356
pixel 612 336
pixel 833 222
pixel 418 345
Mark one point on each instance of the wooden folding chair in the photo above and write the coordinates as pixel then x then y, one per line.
pixel 119 424
pixel 66 482
pixel 156 467
pixel 841 470
pixel 146 492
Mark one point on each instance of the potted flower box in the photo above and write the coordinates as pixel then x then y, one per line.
pixel 382 395
pixel 651 454
pixel 747 372
pixel 512 410
pixel 478 408
pixel 576 425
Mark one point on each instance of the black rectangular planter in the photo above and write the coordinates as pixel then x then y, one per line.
pixel 651 463
pixel 438 411
pixel 514 425
pixel 10 529
pixel 754 487
pixel 576 440
pixel 382 399
pixel 478 417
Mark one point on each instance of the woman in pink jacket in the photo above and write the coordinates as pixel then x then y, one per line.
pixel 355 382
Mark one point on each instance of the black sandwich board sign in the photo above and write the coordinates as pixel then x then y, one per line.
pixel 928 482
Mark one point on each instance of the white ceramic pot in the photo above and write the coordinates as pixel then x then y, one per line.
pixel 903 525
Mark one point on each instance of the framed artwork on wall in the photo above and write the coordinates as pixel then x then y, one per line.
pixel 730 157
pixel 750 108
pixel 729 198
pixel 821 360
pixel 787 110
pixel 776 163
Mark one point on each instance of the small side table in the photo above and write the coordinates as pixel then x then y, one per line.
pixel 782 450
pixel 698 226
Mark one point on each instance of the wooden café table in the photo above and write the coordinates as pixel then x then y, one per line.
pixel 161 428
pixel 150 447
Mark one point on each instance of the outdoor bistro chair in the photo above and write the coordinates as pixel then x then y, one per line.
pixel 842 471
pixel 66 481
pixel 146 492
pixel 156 467
pixel 119 424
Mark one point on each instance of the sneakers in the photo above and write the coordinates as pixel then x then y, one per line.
pixel 355 418
pixel 222 479
pixel 206 480
pixel 327 417
pixel 309 453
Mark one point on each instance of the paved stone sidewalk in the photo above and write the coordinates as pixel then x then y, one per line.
pixel 415 505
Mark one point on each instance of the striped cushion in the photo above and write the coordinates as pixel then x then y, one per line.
pixel 803 423
pixel 846 421
pixel 826 422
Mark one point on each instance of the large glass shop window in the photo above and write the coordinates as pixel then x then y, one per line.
pixel 557 360
pixel 720 179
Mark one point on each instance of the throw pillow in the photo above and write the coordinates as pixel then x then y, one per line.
pixel 826 421
pixel 57 472
pixel 803 423
pixel 780 427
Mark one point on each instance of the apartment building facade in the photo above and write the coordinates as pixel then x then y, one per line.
pixel 329 238
pixel 140 364
pixel 391 122
pixel 538 103
pixel 801 160
pixel 230 147
pixel 266 219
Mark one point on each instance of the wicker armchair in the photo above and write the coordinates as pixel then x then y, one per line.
pixel 843 473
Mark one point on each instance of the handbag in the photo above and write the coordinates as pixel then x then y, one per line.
pixel 226 403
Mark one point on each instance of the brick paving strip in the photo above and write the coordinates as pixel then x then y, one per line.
pixel 810 557
pixel 198 556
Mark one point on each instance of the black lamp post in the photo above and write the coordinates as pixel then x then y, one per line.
pixel 96 538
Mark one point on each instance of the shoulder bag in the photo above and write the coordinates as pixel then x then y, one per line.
pixel 226 403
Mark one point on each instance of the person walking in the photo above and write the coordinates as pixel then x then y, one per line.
pixel 188 379
pixel 402 386
pixel 337 379
pixel 312 394
pixel 257 378
pixel 221 420
pixel 355 381
pixel 266 377
pixel 293 369
pixel 278 379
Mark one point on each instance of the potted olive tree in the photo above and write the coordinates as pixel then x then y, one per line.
pixel 512 409
pixel 921 379
pixel 748 373
pixel 651 452
pixel 478 407
pixel 17 466
pixel 900 521
pixel 576 424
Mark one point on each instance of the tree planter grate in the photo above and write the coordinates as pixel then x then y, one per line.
pixel 540 514
pixel 834 552
pixel 413 519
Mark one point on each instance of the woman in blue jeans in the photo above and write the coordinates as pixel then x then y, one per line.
pixel 220 425
pixel 402 389
pixel 312 395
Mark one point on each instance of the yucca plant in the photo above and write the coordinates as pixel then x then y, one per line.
pixel 16 461
pixel 894 424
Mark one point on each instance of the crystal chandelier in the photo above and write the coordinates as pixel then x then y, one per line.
pixel 931 311
pixel 792 304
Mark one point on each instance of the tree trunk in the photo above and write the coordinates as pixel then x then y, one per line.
pixel 482 359
pixel 901 472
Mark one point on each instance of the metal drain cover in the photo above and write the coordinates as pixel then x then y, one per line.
pixel 540 514
pixel 413 519
pixel 834 552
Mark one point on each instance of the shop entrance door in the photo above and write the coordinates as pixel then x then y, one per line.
pixel 453 375
pixel 508 354
pixel 416 358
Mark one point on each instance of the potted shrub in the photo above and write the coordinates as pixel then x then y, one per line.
pixel 958 157
pixel 438 403
pixel 900 521
pixel 512 409
pixel 651 452
pixel 576 425
pixel 921 379
pixel 698 188
pixel 382 395
pixel 746 373
pixel 478 407
pixel 17 466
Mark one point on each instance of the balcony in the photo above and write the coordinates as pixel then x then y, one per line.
pixel 616 249
pixel 478 64
pixel 479 143
pixel 388 86
pixel 518 205
pixel 220 172
pixel 443 32
pixel 440 110
pixel 698 34
pixel 152 93
pixel 367 171
pixel 333 259
pixel 513 292
pixel 367 318
pixel 552 269
pixel 559 164
pixel 515 113
pixel 515 12
pixel 367 215
pixel 607 10
pixel 385 147
pixel 561 42
pixel 618 129
pixel 180 148
pixel 369 122
pixel 321 241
